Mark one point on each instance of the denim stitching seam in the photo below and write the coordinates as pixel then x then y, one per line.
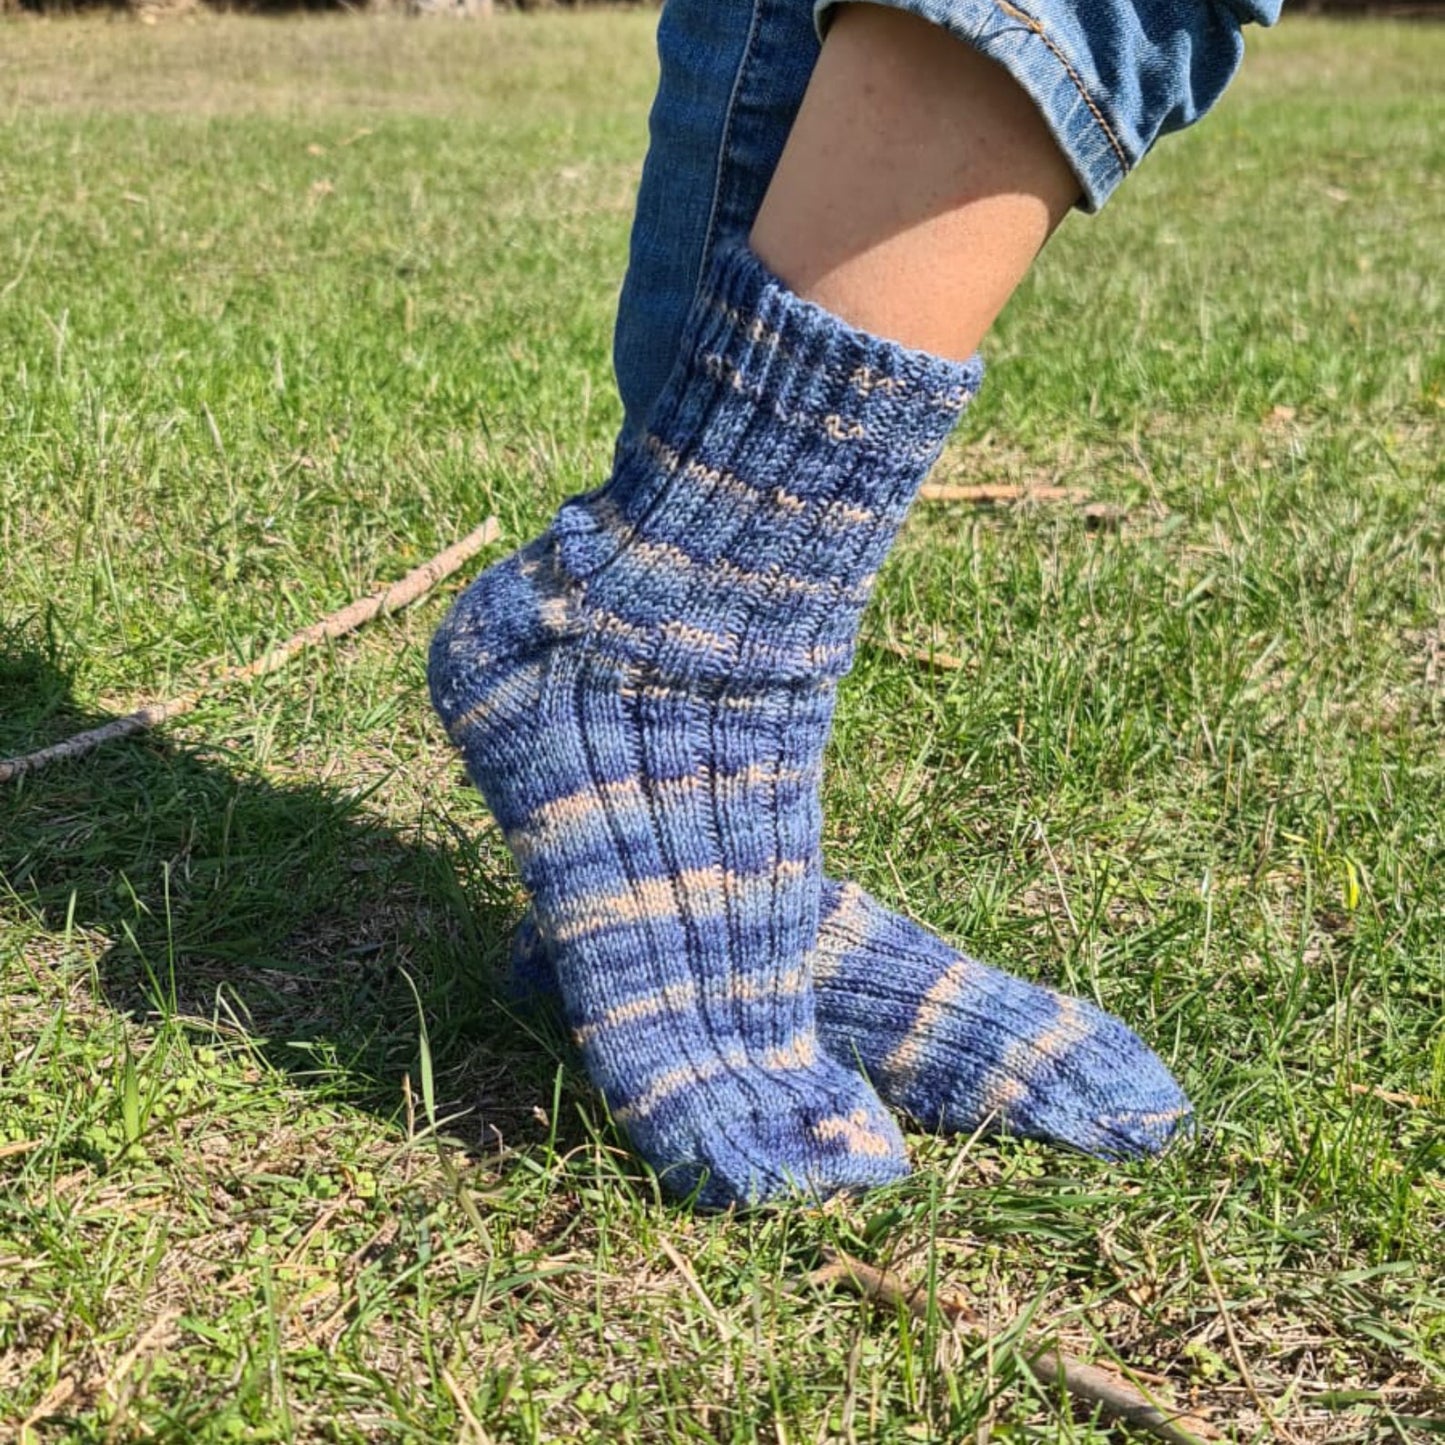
pixel 710 236
pixel 1037 29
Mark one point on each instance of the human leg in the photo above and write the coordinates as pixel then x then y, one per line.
pixel 918 184
pixel 731 78
pixel 775 371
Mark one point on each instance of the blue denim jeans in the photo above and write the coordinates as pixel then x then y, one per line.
pixel 1109 76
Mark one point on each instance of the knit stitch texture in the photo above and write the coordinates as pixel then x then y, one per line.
pixel 957 1045
pixel 643 696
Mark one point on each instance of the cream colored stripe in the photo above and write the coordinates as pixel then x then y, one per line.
pixel 850 914
pixel 659 554
pixel 675 998
pixel 555 613
pixel 757 775
pixel 649 898
pixel 700 892
pixel 740 702
pixel 671 461
pixel 747 890
pixel 719 572
pixel 674 1081
pixel 746 989
pixel 574 811
pixel 1002 1092
pixel 648 550
pixel 729 574
pixel 852 1130
pixel 1021 1061
pixel 863 379
pixel 834 425
pixel 841 930
pixel 851 514
pixel 636 686
pixel 866 381
pixel 829 655
pixel 461 726
pixel 904 1059
pixel 678 998
pixel 1024 1056
pixel 699 639
pixel 840 428
pixel 480 710
pixel 754 327
pixel 571 813
pixel 677 790
pixel 609 624
pixel 802 1053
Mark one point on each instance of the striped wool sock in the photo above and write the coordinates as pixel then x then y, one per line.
pixel 643 696
pixel 956 1044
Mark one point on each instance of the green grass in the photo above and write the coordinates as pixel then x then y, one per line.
pixel 287 306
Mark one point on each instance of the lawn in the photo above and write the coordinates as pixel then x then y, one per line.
pixel 286 307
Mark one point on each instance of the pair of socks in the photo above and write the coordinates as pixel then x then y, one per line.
pixel 958 1046
pixel 643 695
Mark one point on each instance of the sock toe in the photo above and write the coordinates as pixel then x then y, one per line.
pixel 1108 1094
pixel 826 1122
pixel 1078 1076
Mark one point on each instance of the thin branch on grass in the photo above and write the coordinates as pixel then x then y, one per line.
pixel 417 583
pixel 991 494
pixel 119 1384
pixel 19 276
pixel 1390 1096
pixel 50 1404
pixel 472 1429
pixel 927 656
pixel 1098 516
pixel 1111 1393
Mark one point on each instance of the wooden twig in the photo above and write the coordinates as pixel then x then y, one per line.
pixel 1390 1096
pixel 400 594
pixel 991 494
pixel 927 656
pixel 1111 1393
pixel 1098 516
pixel 50 1404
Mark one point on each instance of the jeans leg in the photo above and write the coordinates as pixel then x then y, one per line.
pixel 733 76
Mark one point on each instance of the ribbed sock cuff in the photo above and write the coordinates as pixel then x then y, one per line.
pixel 756 508
pixel 814 371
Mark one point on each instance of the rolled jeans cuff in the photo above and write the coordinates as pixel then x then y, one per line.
pixel 1109 76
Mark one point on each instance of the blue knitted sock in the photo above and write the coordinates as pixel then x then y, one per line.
pixel 959 1045
pixel 643 696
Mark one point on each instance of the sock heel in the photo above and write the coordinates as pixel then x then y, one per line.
pixel 490 656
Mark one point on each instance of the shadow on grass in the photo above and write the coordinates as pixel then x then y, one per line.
pixel 286 910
